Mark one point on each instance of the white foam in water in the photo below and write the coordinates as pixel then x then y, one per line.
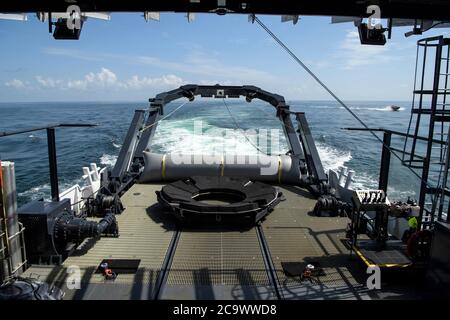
pixel 44 190
pixel 178 136
pixel 108 160
pixel 395 194
pixel 364 181
pixel 388 108
pixel 331 157
pixel 36 193
pixel 321 107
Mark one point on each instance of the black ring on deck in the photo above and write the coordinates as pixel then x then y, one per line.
pixel 223 199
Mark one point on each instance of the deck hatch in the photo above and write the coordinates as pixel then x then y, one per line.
pixel 126 266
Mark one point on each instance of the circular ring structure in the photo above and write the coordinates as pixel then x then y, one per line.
pixel 223 199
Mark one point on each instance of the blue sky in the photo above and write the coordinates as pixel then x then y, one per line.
pixel 129 59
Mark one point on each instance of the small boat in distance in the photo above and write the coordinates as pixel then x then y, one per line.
pixel 394 108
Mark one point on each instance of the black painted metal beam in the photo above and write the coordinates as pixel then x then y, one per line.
pixel 249 92
pixel 397 133
pixel 292 135
pixel 147 135
pixel 312 157
pixel 52 162
pixel 126 153
pixel 14 132
pixel 218 91
pixel 407 9
pixel 385 162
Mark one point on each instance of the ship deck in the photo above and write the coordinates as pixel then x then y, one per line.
pixel 213 263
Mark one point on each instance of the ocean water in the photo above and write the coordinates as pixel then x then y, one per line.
pixel 204 126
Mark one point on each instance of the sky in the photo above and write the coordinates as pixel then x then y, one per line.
pixel 129 59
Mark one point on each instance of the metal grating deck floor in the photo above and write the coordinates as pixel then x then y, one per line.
pixel 145 234
pixel 295 235
pixel 213 263
pixel 218 264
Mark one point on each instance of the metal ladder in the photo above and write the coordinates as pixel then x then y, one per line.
pixel 430 117
pixel 440 199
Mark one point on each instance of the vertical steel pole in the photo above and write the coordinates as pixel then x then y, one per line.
pixel 385 162
pixel 423 193
pixel 52 163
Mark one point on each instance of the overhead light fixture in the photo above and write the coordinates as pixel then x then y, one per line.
pixel 417 29
pixel 371 36
pixel 63 32
pixel 287 18
pixel 155 16
pixel 190 16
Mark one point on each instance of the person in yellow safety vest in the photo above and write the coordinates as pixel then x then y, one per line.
pixel 412 224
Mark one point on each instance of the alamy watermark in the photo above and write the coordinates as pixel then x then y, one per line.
pixel 73 281
pixel 374 20
pixel 219 146
pixel 74 17
pixel 373 282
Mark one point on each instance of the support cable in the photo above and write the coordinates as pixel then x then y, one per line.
pixel 236 125
pixel 163 118
pixel 296 59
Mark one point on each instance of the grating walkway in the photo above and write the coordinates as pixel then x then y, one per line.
pixel 218 264
pixel 145 234
pixel 214 263
pixel 294 235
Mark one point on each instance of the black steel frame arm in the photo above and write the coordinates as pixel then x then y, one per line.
pixel 313 162
pixel 220 92
pixel 126 154
pixel 300 140
pixel 217 91
pixel 301 143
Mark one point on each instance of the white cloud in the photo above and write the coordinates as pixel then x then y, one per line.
pixel 77 84
pixel 105 78
pixel 47 82
pixel 355 55
pixel 15 83
pixel 167 80
pixel 200 63
pixel 197 62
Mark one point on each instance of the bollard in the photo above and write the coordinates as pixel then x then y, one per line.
pixel 349 181
pixel 342 174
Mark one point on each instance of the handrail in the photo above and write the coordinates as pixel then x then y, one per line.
pixel 395 133
pixel 51 143
pixel 11 133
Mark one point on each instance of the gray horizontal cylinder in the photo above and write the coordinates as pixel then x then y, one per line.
pixel 171 167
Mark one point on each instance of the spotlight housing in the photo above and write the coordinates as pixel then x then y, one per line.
pixel 62 32
pixel 372 36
